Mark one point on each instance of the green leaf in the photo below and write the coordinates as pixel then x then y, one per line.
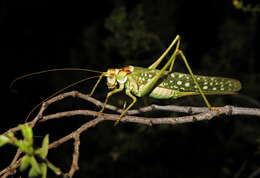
pixel 33 172
pixel 3 140
pixel 25 146
pixel 35 169
pixel 27 133
pixel 55 169
pixel 43 151
pixel 43 167
pixel 45 148
pixel 25 162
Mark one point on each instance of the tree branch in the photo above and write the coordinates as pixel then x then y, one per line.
pixel 196 114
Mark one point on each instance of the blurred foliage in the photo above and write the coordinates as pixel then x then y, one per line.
pixel 128 35
pixel 239 4
pixel 34 158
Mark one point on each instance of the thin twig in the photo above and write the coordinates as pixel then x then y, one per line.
pixel 255 173
pixel 241 169
pixel 75 157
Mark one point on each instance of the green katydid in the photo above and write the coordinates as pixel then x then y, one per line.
pixel 163 83
pixel 156 83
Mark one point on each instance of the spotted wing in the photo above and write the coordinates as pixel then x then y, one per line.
pixel 210 85
pixel 184 82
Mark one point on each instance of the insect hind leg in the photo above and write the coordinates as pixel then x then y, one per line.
pixel 159 60
pixel 165 69
pixel 109 95
pixel 179 52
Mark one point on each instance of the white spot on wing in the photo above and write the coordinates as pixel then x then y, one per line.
pixel 172 75
pixel 205 87
pixel 180 75
pixel 187 84
pixel 179 82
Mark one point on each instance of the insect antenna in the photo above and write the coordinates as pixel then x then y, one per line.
pixel 57 92
pixel 46 71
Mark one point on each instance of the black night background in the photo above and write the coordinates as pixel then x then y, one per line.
pixel 218 39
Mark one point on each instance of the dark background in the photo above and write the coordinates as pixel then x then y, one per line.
pixel 217 38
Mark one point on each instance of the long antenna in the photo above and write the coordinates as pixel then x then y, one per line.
pixel 57 92
pixel 46 71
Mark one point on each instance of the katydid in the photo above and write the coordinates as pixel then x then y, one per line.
pixel 156 83
pixel 163 83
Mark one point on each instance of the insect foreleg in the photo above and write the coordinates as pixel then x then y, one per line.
pixel 95 86
pixel 193 78
pixel 121 87
pixel 128 93
pixel 158 61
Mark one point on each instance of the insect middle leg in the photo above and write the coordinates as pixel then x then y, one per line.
pixel 121 87
pixel 128 93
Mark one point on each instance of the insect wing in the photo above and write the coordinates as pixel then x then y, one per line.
pixel 210 85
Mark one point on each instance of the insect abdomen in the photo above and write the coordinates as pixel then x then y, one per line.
pixel 161 93
pixel 184 82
